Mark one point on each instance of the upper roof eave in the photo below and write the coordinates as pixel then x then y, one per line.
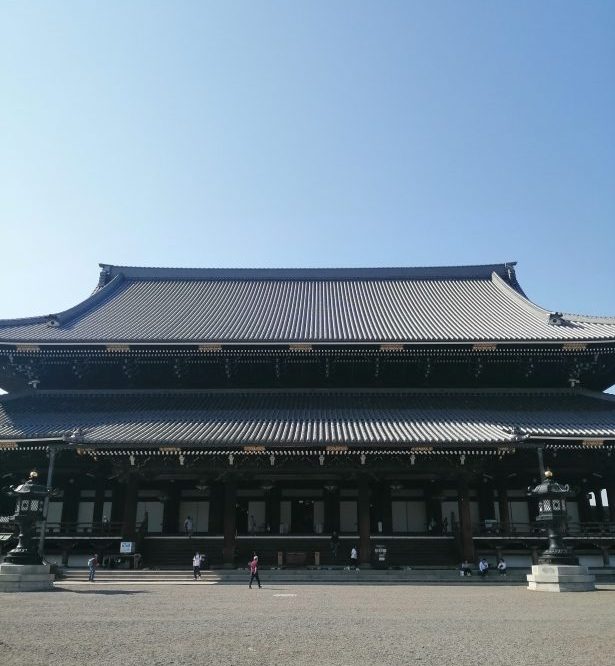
pixel 502 277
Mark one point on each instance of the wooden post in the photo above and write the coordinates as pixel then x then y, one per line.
pixel 583 504
pixel 503 507
pixel 272 510
pixel 70 506
pixel 433 507
pixel 99 501
pixel 364 522
pixel 486 505
pixel 129 519
pixel 465 520
pixel 170 516
pixel 230 519
pixel 610 491
pixel 332 509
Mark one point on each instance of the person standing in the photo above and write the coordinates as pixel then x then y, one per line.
pixel 502 567
pixel 188 526
pixel 196 565
pixel 335 542
pixel 354 559
pixel 253 564
pixel 92 564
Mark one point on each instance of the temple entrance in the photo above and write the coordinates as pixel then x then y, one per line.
pixel 302 516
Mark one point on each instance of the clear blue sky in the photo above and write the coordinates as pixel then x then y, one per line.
pixel 319 133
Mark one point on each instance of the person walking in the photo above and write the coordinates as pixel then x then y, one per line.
pixel 502 567
pixel 196 565
pixel 188 526
pixel 92 564
pixel 253 564
pixel 354 559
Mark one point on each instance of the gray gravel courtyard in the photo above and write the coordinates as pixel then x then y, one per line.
pixel 297 624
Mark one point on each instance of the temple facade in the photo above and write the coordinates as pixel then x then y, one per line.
pixel 267 409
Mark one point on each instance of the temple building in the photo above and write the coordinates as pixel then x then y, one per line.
pixel 404 407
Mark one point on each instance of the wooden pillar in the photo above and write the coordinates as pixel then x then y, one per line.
pixel 583 503
pixel 433 507
pixel 230 519
pixel 364 522
pixel 170 515
pixel 332 509
pixel 99 501
pixel 465 520
pixel 272 510
pixel 129 519
pixel 600 512
pixel 610 492
pixel 117 503
pixel 216 508
pixel 382 509
pixel 503 507
pixel 387 508
pixel 486 502
pixel 70 505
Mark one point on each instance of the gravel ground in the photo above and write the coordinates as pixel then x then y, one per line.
pixel 294 624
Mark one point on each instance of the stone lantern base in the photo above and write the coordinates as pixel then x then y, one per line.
pixel 25 577
pixel 560 578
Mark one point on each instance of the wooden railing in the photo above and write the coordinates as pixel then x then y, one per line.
pixel 518 529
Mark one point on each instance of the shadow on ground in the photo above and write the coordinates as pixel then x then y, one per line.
pixel 106 592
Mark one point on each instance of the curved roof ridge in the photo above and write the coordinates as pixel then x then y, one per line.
pixel 534 308
pixel 100 293
pixel 519 297
pixel 477 272
pixel 588 319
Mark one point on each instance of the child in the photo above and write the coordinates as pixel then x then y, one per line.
pixel 196 565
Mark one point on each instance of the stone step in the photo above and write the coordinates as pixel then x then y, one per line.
pixel 223 576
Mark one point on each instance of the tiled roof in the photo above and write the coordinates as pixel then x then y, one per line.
pixel 464 303
pixel 272 418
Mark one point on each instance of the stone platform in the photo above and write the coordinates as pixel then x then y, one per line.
pixel 560 578
pixel 25 577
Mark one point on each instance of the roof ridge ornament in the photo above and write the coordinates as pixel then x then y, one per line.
pixel 103 278
pixel 557 319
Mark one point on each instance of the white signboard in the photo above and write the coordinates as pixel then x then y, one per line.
pixel 127 547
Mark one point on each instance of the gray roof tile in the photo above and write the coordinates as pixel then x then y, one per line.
pixel 299 419
pixel 475 303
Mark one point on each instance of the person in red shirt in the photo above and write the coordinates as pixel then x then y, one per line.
pixel 253 564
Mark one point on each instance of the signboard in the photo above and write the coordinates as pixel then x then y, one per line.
pixel 127 547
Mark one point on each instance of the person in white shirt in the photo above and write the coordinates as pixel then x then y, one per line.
pixel 502 567
pixel 354 558
pixel 196 565
pixel 483 568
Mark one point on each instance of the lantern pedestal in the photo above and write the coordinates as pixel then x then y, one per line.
pixel 25 577
pixel 560 578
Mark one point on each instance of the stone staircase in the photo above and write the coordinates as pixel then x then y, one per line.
pixel 177 552
pixel 337 576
